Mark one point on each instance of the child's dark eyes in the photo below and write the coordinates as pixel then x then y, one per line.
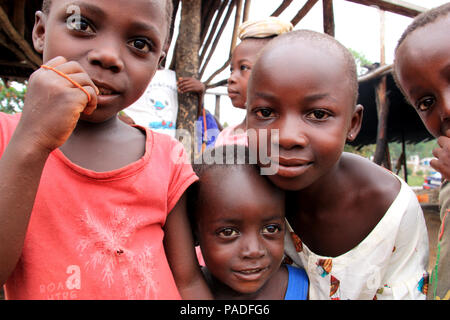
pixel 318 114
pixel 79 23
pixel 272 229
pixel 142 45
pixel 227 232
pixel 244 67
pixel 425 103
pixel 264 113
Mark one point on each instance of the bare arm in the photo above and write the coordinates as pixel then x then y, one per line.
pixel 51 111
pixel 20 170
pixel 179 246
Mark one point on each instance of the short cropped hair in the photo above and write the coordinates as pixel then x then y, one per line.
pixel 328 42
pixel 419 21
pixel 424 19
pixel 46 4
pixel 231 157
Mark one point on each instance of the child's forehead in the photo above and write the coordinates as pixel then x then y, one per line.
pixel 145 6
pixel 228 181
pixel 430 35
pixel 248 48
pixel 301 61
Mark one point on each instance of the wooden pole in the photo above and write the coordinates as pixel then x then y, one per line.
pixel 303 11
pixel 383 113
pixel 212 31
pixel 18 40
pixel 281 8
pixel 382 147
pixel 246 13
pixel 382 41
pixel 328 17
pixel 186 65
pixel 237 22
pixel 217 108
pixel 395 6
pixel 216 40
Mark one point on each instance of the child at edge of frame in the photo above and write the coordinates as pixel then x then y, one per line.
pixel 90 207
pixel 356 228
pixel 422 72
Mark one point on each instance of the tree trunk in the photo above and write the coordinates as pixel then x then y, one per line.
pixel 187 65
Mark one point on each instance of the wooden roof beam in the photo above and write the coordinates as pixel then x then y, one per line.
pixel 328 17
pixel 212 30
pixel 395 6
pixel 17 39
pixel 216 40
pixel 303 11
pixel 281 8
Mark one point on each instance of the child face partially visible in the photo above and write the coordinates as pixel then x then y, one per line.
pixel 118 44
pixel 240 227
pixel 242 61
pixel 423 71
pixel 308 98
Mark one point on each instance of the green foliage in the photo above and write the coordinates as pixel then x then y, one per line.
pixel 11 97
pixel 360 60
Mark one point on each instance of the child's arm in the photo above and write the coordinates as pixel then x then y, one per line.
pixel 51 110
pixel 179 247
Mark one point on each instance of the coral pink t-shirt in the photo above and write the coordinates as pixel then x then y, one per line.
pixel 99 235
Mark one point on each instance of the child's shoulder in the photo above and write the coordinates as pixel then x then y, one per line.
pixel 168 147
pixel 372 180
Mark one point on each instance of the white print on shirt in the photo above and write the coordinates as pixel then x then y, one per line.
pixel 74 280
pixel 67 290
pixel 105 246
pixel 373 281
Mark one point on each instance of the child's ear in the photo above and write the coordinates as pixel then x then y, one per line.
pixel 39 31
pixel 161 57
pixel 356 123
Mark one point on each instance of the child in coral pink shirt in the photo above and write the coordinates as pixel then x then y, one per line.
pixel 90 207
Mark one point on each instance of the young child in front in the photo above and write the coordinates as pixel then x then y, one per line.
pixel 422 72
pixel 239 223
pixel 254 35
pixel 358 230
pixel 90 207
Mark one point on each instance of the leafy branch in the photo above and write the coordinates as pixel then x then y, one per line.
pixel 11 97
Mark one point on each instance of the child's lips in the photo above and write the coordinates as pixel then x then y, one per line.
pixel 291 168
pixel 105 89
pixel 233 93
pixel 250 274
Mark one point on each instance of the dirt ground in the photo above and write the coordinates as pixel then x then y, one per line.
pixel 433 222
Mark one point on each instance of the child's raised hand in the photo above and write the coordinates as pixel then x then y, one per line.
pixel 442 153
pixel 190 85
pixel 53 103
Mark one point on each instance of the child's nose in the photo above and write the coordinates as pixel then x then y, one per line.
pixel 252 248
pixel 291 134
pixel 107 55
pixel 232 78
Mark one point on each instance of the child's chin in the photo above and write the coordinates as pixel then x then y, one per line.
pixel 287 184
